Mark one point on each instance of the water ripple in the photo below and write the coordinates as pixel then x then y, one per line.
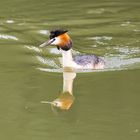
pixel 45 32
pixel 36 49
pixel 10 21
pixel 100 39
pixel 2 36
pixel 113 63
pixel 48 62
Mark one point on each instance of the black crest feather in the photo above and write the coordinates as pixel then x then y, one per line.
pixel 57 32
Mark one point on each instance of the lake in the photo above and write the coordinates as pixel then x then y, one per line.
pixel 104 105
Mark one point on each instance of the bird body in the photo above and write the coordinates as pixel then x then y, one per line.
pixel 61 39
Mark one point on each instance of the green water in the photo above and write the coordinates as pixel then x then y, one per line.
pixel 106 105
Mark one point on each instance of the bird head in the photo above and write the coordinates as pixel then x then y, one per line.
pixel 59 38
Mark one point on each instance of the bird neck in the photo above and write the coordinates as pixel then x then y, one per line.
pixel 68 78
pixel 67 59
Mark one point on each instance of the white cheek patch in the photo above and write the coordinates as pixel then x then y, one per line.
pixel 57 41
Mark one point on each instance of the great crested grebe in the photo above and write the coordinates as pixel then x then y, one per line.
pixel 61 39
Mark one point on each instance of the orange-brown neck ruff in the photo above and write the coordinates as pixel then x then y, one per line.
pixel 64 40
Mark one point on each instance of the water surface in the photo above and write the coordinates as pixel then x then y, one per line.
pixel 106 104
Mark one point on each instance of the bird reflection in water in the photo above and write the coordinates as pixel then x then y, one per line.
pixel 66 98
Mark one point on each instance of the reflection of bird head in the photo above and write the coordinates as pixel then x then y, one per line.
pixel 63 102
